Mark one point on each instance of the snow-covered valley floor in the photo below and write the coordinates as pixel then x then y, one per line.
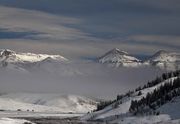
pixel 12 117
pixel 15 117
pixel 13 121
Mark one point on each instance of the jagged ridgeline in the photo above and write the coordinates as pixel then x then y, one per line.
pixel 163 93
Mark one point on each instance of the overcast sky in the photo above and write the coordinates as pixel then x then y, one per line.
pixel 81 28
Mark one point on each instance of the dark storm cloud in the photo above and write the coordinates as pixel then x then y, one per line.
pixel 85 7
pixel 5 34
pixel 115 17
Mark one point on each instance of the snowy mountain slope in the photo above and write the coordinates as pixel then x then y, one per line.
pixel 144 120
pixel 124 103
pixel 177 121
pixel 172 108
pixel 118 58
pixel 46 103
pixel 119 110
pixel 165 59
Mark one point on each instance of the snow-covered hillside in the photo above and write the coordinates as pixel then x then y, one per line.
pixel 171 108
pixel 118 58
pixel 46 103
pixel 119 110
pixel 124 103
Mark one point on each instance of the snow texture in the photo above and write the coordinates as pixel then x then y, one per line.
pixel 13 121
pixel 46 103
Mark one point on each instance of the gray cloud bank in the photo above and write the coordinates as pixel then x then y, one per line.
pixel 81 78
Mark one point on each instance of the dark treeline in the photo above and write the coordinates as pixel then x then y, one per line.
pixel 160 79
pixel 157 98
pixel 103 104
pixel 152 83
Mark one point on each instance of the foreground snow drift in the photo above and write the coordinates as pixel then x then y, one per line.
pixel 12 121
pixel 144 120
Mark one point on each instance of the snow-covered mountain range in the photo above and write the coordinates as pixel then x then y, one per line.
pixel 15 57
pixel 22 60
pixel 161 59
pixel 46 103
pixel 115 58
pixel 162 109
pixel 31 62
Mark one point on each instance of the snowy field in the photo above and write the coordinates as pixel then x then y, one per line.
pixel 66 119
pixel 9 117
pixel 35 114
pixel 13 121
pixel 161 119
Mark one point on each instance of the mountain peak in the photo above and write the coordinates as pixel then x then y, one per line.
pixel 160 52
pixel 6 52
pixel 117 51
pixel 164 54
pixel 116 57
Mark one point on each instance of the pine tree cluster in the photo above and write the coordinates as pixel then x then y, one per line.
pixel 157 98
pixel 103 104
pixel 158 80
